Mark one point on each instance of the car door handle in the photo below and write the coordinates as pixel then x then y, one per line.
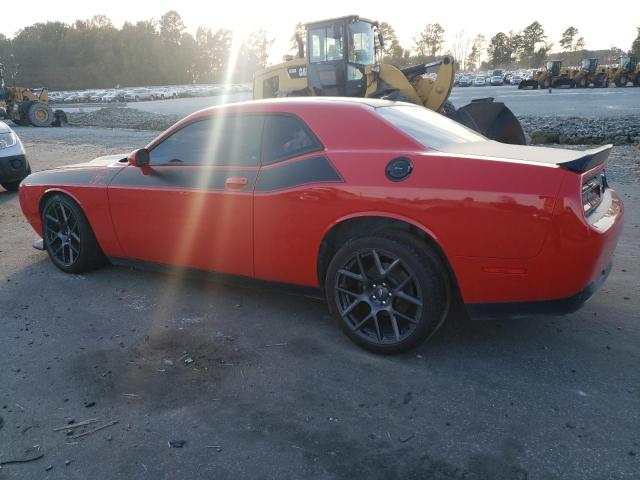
pixel 236 183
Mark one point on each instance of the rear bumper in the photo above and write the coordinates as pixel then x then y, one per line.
pixel 562 306
pixel 566 272
pixel 13 168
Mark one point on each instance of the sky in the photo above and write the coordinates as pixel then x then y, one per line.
pixel 602 27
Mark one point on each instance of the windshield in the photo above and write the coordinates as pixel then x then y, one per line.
pixel 431 129
pixel 325 44
pixel 498 73
pixel 361 43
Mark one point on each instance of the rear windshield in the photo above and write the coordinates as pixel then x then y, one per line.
pixel 431 129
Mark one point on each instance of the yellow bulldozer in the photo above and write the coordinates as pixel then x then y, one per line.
pixel 590 72
pixel 24 106
pixel 344 58
pixel 554 76
pixel 628 70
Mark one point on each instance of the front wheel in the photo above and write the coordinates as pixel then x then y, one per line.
pixel 68 237
pixel 388 292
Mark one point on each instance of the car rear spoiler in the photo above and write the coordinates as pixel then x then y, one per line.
pixel 590 159
pixel 578 161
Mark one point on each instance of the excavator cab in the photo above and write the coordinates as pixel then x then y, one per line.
pixel 554 67
pixel 628 63
pixel 338 51
pixel 589 65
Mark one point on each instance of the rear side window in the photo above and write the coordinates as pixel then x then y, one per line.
pixel 286 136
pixel 431 129
pixel 232 140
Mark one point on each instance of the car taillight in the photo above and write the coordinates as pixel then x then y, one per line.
pixel 592 191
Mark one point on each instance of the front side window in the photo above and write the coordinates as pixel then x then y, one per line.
pixel 286 136
pixel 232 140
pixel 431 129
pixel 326 44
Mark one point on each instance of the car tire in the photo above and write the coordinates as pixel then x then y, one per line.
pixel 68 237
pixel 395 302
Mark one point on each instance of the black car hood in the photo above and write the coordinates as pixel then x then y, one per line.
pixel 103 161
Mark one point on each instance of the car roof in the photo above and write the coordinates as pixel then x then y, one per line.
pixel 298 104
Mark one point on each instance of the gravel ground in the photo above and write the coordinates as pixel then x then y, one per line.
pixel 276 391
pixel 580 130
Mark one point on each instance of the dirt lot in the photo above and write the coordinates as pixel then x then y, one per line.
pixel 276 391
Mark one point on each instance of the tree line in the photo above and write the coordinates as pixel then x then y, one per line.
pixel 528 48
pixel 94 54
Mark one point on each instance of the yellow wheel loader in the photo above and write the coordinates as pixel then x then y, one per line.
pixel 589 73
pixel 24 106
pixel 628 70
pixel 343 58
pixel 554 76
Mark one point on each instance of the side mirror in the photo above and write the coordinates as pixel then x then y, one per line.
pixel 139 158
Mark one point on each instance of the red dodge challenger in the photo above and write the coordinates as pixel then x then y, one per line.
pixel 388 208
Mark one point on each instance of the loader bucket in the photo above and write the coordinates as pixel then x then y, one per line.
pixel 492 119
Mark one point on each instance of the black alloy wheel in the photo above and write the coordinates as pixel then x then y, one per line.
pixel 387 294
pixel 68 237
pixel 62 233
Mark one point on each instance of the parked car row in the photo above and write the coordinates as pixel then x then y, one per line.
pixel 497 77
pixel 139 94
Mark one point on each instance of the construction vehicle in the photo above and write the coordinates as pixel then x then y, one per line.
pixel 343 58
pixel 628 70
pixel 554 76
pixel 590 72
pixel 24 106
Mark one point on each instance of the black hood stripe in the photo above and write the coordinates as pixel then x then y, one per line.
pixel 73 176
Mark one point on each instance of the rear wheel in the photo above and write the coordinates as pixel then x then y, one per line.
pixel 68 237
pixel 388 292
pixel 40 114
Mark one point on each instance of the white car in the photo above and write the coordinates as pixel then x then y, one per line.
pixel 516 79
pixel 14 166
pixel 139 94
pixel 480 81
pixel 111 96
